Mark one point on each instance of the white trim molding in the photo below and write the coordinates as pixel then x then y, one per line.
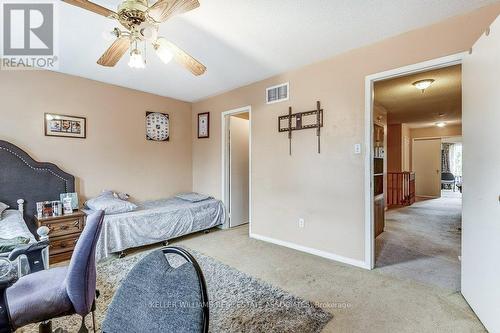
pixel 244 109
pixel 310 250
pixel 447 61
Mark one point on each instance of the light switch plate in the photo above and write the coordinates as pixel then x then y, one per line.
pixel 357 148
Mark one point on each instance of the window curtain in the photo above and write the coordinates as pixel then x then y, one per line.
pixel 456 159
pixel 445 157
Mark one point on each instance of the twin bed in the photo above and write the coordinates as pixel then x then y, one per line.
pixel 152 222
pixel 157 221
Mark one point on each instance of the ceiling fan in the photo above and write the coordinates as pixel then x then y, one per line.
pixel 141 23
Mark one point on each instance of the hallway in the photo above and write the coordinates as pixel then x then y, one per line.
pixel 422 242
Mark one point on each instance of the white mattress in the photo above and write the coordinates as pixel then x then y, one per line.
pixel 12 225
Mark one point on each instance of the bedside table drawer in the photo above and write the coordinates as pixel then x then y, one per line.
pixel 63 244
pixel 64 227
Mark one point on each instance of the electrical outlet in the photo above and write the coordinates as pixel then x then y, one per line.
pixel 357 148
pixel 302 223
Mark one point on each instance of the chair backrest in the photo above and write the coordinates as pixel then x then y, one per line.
pixel 447 176
pixel 158 297
pixel 81 276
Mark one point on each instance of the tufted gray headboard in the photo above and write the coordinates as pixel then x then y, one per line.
pixel 21 177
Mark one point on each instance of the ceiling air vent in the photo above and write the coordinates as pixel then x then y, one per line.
pixel 277 93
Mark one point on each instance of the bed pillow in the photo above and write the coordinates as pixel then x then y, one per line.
pixel 192 197
pixel 107 202
pixel 2 208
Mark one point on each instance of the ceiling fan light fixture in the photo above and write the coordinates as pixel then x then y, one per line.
pixel 111 35
pixel 423 84
pixel 162 50
pixel 136 59
pixel 140 20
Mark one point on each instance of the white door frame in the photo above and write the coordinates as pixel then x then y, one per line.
pixel 447 61
pixel 244 109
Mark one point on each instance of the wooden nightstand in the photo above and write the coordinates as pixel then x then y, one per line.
pixel 63 234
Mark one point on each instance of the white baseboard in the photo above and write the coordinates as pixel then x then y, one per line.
pixel 320 253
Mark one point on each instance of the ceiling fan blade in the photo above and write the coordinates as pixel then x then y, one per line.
pixel 115 52
pixel 85 4
pixel 162 10
pixel 193 65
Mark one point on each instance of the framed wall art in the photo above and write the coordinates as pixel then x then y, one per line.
pixel 73 197
pixel 157 126
pixel 65 126
pixel 203 125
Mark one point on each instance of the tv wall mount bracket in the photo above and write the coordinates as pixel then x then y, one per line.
pixel 301 121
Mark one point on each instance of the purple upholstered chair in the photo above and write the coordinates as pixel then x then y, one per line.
pixel 59 291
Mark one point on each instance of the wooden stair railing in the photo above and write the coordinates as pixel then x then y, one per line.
pixel 400 189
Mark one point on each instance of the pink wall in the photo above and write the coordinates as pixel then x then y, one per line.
pixel 115 155
pixel 326 190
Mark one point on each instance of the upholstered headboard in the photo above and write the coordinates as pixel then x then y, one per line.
pixel 21 177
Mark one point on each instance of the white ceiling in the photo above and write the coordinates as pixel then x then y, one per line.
pixel 243 41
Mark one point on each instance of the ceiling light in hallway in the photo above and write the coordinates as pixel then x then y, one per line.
pixel 423 84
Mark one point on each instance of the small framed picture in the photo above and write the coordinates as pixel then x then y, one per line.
pixel 73 197
pixel 65 126
pixel 47 209
pixel 203 125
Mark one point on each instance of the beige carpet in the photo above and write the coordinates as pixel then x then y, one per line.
pixel 361 300
pixel 422 242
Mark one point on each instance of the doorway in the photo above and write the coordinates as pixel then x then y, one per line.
pixel 420 235
pixel 417 239
pixel 236 166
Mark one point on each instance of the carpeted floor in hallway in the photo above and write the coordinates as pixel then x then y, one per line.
pixel 422 242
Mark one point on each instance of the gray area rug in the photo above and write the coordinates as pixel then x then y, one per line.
pixel 238 302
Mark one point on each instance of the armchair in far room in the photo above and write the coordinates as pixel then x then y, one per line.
pixel 459 183
pixel 447 180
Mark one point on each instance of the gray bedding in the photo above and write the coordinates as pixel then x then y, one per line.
pixel 157 221
pixel 12 225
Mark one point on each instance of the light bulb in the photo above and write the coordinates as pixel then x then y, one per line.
pixel 108 36
pixel 111 35
pixel 148 31
pixel 136 60
pixel 162 49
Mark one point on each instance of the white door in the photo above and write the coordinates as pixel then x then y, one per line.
pixel 481 174
pixel 427 167
pixel 238 170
